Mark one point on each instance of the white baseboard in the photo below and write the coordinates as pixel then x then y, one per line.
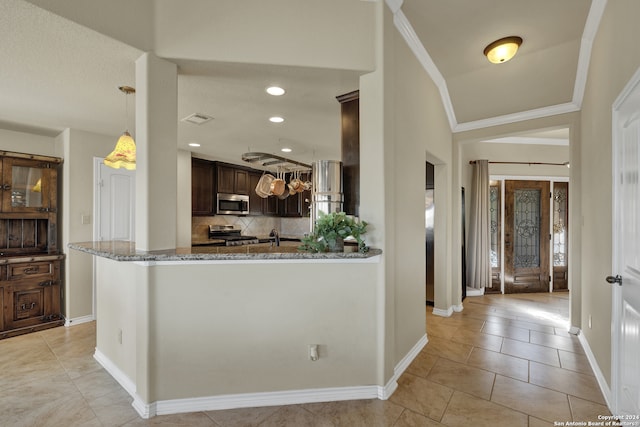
pixel 79 320
pixel 458 308
pixel 475 292
pixel 248 400
pixel 604 387
pixel 574 330
pixel 444 313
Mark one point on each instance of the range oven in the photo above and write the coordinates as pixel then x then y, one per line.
pixel 230 236
pixel 232 204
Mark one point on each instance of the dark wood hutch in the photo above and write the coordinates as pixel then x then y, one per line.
pixel 30 261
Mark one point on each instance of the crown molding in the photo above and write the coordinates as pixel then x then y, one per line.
pixel 408 33
pixel 538 113
pixel 405 28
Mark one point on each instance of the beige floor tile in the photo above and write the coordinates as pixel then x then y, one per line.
pixel 478 339
pixel 556 341
pixel 361 413
pixel 563 332
pixel 422 396
pixel 448 349
pixel 411 419
pixel 422 364
pixel 96 384
pixel 529 351
pixel 565 381
pixel 532 326
pixel 584 410
pixel 193 419
pixel 114 409
pixel 295 416
pixel 499 363
pixel 246 417
pixel 537 422
pixel 531 399
pixel 466 410
pixel 458 376
pixel 440 330
pixel 575 362
pixel 506 331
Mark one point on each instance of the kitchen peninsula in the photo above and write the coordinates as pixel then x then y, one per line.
pixel 193 329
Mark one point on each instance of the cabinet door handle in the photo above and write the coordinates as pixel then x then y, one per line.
pixel 6 187
pixel 46 283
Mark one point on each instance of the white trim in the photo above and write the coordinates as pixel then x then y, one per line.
pixel 458 308
pixel 79 320
pixel 409 35
pixel 590 29
pixel 574 330
pixel 248 400
pixel 475 292
pixel 369 260
pixel 443 313
pixel 537 113
pixel 407 32
pixel 602 382
pixel 527 141
pixel 529 178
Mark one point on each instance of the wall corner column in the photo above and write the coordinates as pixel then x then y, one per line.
pixel 156 146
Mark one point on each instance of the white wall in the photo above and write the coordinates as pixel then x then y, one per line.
pixel 609 71
pixel 79 148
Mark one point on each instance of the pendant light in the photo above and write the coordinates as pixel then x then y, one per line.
pixel 124 154
pixel 502 50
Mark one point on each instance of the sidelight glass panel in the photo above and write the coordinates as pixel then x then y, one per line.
pixel 26 187
pixel 560 202
pixel 527 228
pixel 494 221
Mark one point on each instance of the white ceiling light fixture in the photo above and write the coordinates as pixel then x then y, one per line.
pixel 286 150
pixel 275 91
pixel 502 50
pixel 194 144
pixel 276 119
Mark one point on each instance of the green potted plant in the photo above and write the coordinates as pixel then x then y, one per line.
pixel 331 230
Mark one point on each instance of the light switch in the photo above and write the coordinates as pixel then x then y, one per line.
pixel 86 219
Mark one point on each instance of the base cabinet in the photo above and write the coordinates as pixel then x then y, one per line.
pixel 30 292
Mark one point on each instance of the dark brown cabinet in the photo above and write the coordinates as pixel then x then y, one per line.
pixel 232 180
pixel 202 187
pixel 256 203
pixel 30 277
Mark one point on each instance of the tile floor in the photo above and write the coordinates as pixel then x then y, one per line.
pixel 503 361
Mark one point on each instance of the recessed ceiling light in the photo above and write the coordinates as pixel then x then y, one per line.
pixel 194 144
pixel 275 91
pixel 286 150
pixel 276 119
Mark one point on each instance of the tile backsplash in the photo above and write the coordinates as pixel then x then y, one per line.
pixel 250 225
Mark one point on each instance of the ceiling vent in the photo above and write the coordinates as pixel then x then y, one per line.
pixel 197 118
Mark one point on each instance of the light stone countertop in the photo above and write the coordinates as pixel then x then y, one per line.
pixel 126 251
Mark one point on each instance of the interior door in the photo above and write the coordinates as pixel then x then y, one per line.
pixel 115 215
pixel 526 236
pixel 626 253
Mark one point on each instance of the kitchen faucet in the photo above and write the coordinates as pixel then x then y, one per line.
pixel 274 233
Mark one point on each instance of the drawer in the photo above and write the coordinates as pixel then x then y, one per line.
pixel 29 270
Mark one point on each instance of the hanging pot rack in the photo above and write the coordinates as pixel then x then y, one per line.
pixel 272 161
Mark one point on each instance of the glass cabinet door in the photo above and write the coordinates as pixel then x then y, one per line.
pixel 25 185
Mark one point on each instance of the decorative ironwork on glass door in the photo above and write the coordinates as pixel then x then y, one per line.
pixel 527 228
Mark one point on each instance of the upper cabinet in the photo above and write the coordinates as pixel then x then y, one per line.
pixel 203 187
pixel 28 186
pixel 232 180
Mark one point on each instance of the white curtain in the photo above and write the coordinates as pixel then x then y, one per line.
pixel 479 244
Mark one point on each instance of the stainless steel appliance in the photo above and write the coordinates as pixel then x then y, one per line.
pixel 232 204
pixel 327 194
pixel 231 236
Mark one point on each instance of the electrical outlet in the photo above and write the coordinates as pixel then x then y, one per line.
pixel 313 352
pixel 589 321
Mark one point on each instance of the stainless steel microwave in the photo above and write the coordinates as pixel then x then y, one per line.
pixel 232 204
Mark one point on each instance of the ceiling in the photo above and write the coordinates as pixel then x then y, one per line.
pixel 54 69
